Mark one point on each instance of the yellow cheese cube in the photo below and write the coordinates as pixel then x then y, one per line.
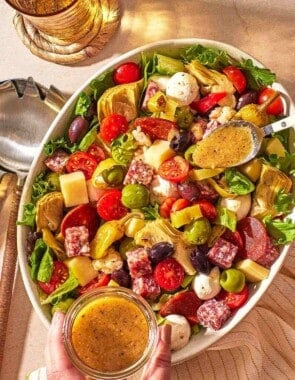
pixel 157 153
pixel 73 188
pixel 82 269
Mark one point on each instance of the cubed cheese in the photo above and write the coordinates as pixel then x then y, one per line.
pixel 158 153
pixel 74 189
pixel 82 269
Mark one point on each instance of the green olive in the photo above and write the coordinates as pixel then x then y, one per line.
pixel 198 231
pixel 113 176
pixel 232 280
pixel 53 180
pixel 135 195
pixel 184 117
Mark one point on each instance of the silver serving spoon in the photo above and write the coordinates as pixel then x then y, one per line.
pixel 235 143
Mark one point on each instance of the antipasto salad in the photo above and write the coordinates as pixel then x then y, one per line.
pixel 122 202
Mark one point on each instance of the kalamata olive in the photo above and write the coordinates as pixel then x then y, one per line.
pixel 78 128
pixel 248 97
pixel 160 251
pixel 31 240
pixel 188 190
pixel 199 260
pixel 121 277
pixel 92 110
pixel 180 142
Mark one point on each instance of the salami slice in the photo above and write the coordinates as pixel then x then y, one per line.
pixel 271 254
pixel 146 286
pixel 222 253
pixel 77 241
pixel 213 314
pixel 255 238
pixel 139 263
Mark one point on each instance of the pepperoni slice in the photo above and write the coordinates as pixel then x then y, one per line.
pixel 254 237
pixel 82 215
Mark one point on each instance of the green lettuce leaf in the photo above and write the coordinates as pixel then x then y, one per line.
pixel 226 218
pixel 45 267
pixel 237 182
pixel 283 231
pixel 68 286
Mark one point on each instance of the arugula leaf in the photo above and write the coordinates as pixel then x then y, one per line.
pixel 46 267
pixel 257 77
pixel 68 286
pixel 226 218
pixel 237 182
pixel 208 56
pixel 286 164
pixel 101 83
pixel 151 212
pixel 284 202
pixel 60 142
pixel 283 231
pixel 83 104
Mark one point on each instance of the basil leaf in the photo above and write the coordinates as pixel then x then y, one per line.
pixel 226 218
pixel 46 267
pixel 283 231
pixel 68 286
pixel 237 182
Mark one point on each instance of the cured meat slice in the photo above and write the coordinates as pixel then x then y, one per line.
pixel 146 286
pixel 77 241
pixel 213 314
pixel 272 252
pixel 222 253
pixel 139 263
pixel 139 172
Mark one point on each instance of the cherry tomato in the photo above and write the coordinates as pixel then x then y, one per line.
pixel 81 161
pixel 127 72
pixel 169 274
pixel 113 126
pixel 59 275
pixel 101 280
pixel 208 209
pixel 237 77
pixel 179 204
pixel 276 107
pixel 155 127
pixel 96 152
pixel 165 208
pixel 174 169
pixel 234 300
pixel 110 207
pixel 82 215
pixel 206 103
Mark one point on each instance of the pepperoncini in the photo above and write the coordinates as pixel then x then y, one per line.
pixel 108 233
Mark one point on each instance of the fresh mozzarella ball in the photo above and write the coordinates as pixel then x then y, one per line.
pixel 207 286
pixel 180 331
pixel 240 205
pixel 183 88
pixel 162 189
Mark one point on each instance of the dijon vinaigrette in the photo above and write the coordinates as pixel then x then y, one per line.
pixel 110 334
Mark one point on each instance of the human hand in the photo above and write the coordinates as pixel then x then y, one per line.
pixel 159 365
pixel 58 365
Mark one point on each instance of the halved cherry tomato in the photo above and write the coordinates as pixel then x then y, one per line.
pixel 169 274
pixel 59 275
pixel 96 152
pixel 155 127
pixel 113 126
pixel 109 205
pixel 179 204
pixel 82 215
pixel 127 72
pixel 276 107
pixel 208 209
pixel 237 77
pixel 165 208
pixel 234 300
pixel 101 280
pixel 174 169
pixel 206 103
pixel 81 161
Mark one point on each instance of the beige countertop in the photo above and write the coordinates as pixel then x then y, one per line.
pixel 264 29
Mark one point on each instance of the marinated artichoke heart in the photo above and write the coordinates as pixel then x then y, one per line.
pixel 122 99
pixel 212 81
pixel 160 230
pixel 271 181
pixel 50 211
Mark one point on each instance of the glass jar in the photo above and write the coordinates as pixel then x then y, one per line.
pixel 110 333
